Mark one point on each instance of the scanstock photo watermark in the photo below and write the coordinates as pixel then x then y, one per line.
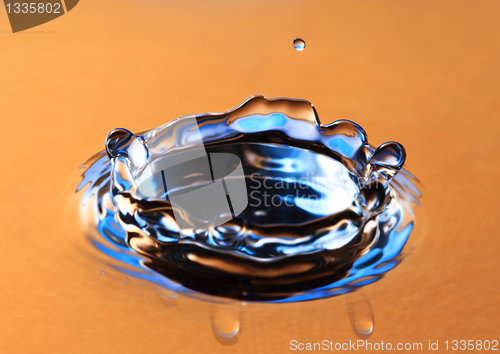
pixel 25 14
pixel 309 191
pixel 472 345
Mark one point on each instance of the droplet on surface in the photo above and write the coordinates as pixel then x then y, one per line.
pixel 360 313
pixel 225 321
pixel 299 44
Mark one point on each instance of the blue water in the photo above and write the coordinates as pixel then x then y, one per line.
pixel 318 212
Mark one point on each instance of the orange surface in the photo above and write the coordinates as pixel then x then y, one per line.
pixel 424 73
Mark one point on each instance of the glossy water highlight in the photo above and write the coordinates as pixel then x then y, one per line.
pixel 285 208
pixel 299 44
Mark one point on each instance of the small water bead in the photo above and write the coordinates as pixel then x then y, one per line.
pixel 121 142
pixel 299 44
pixel 225 321
pixel 360 314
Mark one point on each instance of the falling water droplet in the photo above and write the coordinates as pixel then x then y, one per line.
pixel 360 314
pixel 299 44
pixel 225 321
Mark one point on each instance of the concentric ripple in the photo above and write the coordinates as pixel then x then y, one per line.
pixel 314 210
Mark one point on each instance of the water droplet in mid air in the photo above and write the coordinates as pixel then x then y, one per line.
pixel 299 44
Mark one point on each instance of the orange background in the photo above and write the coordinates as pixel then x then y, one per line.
pixel 424 73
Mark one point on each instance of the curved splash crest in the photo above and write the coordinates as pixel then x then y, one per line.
pixel 260 203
